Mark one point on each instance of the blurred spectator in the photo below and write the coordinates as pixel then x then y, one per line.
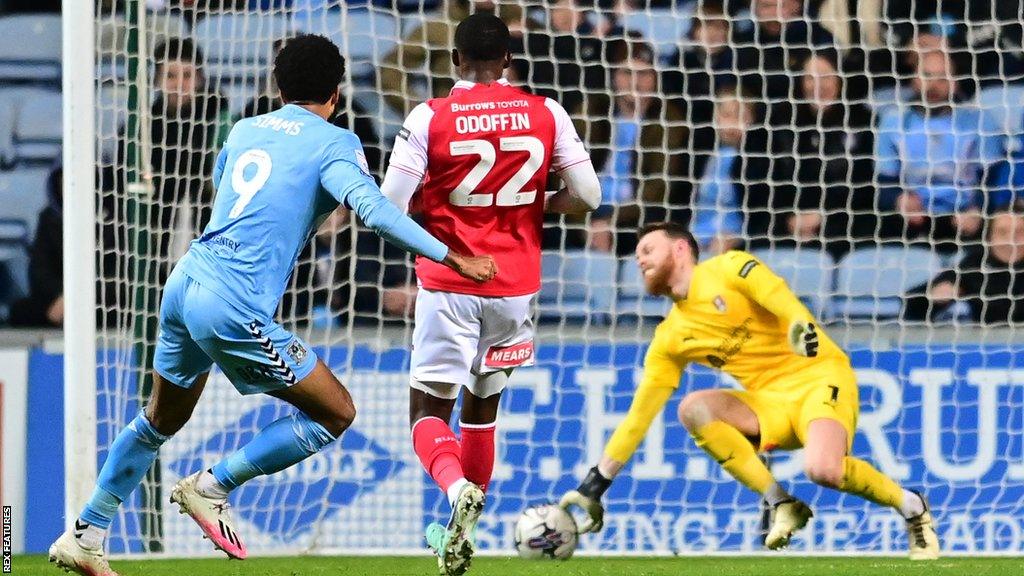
pixel 988 35
pixel 563 56
pixel 770 55
pixel 636 140
pixel 321 287
pixel 44 305
pixel 703 66
pixel 427 51
pixel 762 173
pixel 868 59
pixel 932 157
pixel 358 120
pixel 989 278
pixel 717 217
pixel 188 124
pixel 835 170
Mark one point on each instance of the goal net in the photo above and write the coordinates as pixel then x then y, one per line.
pixel 858 155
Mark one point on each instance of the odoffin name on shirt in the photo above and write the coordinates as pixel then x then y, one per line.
pixel 491 122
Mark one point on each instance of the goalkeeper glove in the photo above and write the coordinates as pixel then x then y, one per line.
pixel 588 497
pixel 803 338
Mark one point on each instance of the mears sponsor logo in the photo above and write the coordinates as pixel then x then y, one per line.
pixel 509 356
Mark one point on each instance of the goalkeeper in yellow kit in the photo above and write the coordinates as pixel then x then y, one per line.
pixel 733 313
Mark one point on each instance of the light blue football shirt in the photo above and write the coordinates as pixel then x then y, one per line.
pixel 940 156
pixel 278 176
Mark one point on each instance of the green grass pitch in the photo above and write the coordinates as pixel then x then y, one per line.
pixel 610 566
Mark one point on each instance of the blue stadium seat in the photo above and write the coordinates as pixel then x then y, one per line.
pixel 23 196
pixel 239 45
pixel 33 125
pixel 365 36
pixel 38 130
pixel 577 285
pixel 386 121
pixel 112 39
pixel 665 29
pixel 870 282
pixel 1002 108
pixel 8 114
pixel 14 242
pixel 413 20
pixel 30 50
pixel 633 300
pixel 808 273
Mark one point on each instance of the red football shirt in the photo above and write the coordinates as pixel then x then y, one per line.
pixel 484 154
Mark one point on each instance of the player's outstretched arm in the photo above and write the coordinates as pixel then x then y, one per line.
pixel 661 378
pixel 354 188
pixel 394 226
pixel 582 192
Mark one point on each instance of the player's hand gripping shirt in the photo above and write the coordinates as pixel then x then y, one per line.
pixel 735 318
pixel 483 154
pixel 277 177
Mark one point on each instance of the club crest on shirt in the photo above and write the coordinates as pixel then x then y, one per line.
pixel 296 351
pixel 719 303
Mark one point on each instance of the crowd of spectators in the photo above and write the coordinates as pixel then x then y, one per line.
pixel 764 128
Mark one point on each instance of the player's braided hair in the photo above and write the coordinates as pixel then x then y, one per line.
pixel 308 69
pixel 482 37
pixel 673 230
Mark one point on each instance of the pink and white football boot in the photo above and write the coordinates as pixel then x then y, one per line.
pixel 211 514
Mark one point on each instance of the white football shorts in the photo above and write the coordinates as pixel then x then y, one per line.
pixel 461 338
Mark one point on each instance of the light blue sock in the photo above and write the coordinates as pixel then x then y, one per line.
pixel 284 442
pixel 130 457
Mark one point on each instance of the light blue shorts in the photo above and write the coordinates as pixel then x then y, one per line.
pixel 199 328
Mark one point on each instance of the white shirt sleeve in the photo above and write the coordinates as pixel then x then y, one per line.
pixel 399 187
pixel 410 151
pixel 569 149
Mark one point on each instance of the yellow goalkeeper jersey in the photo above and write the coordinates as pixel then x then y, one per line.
pixel 735 318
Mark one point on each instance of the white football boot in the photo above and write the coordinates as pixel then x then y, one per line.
pixel 69 554
pixel 787 517
pixel 921 535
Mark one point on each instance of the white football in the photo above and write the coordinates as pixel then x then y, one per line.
pixel 545 531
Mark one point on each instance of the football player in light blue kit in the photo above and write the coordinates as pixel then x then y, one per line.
pixel 278 176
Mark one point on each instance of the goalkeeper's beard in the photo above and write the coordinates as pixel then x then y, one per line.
pixel 657 281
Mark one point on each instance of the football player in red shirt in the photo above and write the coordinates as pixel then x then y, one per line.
pixel 475 167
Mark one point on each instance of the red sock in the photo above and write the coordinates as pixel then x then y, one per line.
pixel 478 452
pixel 439 451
